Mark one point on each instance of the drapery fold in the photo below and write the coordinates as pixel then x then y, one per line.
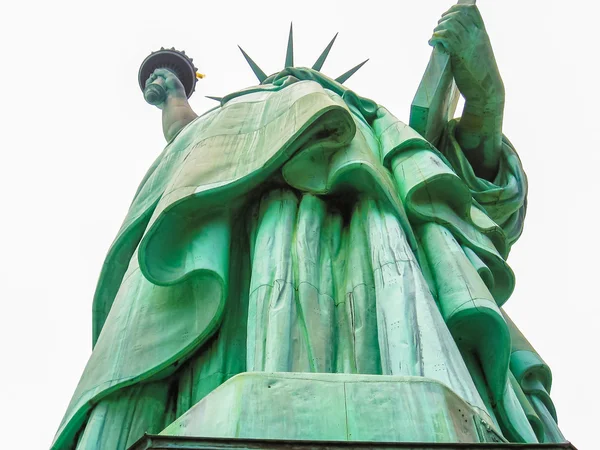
pixel 184 253
pixel 326 143
pixel 534 378
pixel 505 198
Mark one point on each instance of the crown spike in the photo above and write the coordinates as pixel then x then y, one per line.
pixel 218 99
pixel 342 78
pixel 319 64
pixel 257 70
pixel 289 55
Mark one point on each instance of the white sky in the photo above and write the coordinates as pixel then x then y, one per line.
pixel 77 137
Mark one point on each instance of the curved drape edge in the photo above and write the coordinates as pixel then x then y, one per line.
pixel 152 258
pixel 356 165
pixel 80 406
pixel 164 225
pixel 484 237
pixel 154 262
pixel 532 416
pixel 476 324
pixel 114 269
pixel 505 198
pixel 530 370
pixel 127 239
pixel 433 190
pixel 467 306
pixel 425 187
pixel 119 254
pixel 135 226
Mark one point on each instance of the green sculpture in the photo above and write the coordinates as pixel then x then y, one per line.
pixel 298 227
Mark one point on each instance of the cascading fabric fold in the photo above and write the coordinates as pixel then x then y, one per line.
pixel 407 277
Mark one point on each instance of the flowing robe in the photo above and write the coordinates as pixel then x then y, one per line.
pixel 299 227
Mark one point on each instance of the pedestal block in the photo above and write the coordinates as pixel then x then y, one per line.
pixel 150 442
pixel 335 407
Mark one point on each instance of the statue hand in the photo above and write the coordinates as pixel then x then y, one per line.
pixel 173 88
pixel 462 34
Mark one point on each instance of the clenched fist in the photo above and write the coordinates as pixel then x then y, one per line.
pixel 461 33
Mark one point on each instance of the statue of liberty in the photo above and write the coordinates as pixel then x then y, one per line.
pixel 302 231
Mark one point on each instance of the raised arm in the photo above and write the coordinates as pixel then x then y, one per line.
pixel 462 34
pixel 176 111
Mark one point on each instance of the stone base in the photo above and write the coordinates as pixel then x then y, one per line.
pixel 335 407
pixel 187 443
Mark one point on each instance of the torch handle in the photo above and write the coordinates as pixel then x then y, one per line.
pixel 155 93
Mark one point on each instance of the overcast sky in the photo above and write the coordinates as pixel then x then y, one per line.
pixel 77 137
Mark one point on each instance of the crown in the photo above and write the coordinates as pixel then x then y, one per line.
pixel 289 60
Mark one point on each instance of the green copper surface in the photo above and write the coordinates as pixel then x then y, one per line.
pixel 257 70
pixel 289 55
pixel 318 65
pixel 346 75
pixel 262 405
pixel 302 229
